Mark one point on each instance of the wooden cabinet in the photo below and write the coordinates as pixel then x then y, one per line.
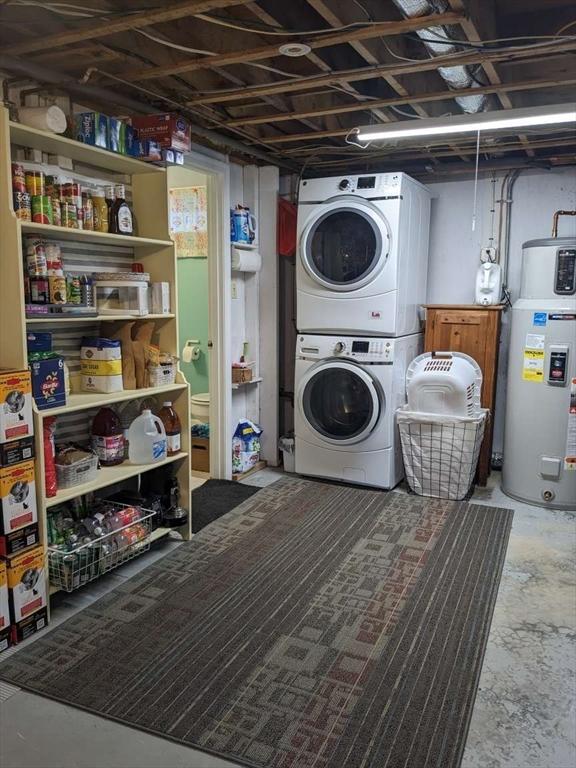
pixel 475 331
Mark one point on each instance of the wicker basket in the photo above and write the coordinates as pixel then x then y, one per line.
pixel 82 471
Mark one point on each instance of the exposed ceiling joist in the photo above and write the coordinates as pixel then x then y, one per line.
pixel 270 51
pixel 471 31
pixel 113 25
pixel 527 85
pixel 368 73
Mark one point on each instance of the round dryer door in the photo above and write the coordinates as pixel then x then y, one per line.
pixel 345 245
pixel 340 402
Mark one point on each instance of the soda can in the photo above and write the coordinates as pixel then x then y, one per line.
pixel 35 184
pixel 22 206
pixel 18 178
pixel 42 209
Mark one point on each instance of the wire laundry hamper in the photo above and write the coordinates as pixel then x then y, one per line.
pixel 440 451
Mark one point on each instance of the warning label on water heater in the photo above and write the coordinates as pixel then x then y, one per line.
pixel 570 458
pixel 533 366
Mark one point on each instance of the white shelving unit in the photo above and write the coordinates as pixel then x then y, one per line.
pixel 152 247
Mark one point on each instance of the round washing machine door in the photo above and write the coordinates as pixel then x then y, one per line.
pixel 345 244
pixel 340 402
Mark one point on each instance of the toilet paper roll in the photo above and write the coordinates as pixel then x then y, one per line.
pixel 245 260
pixel 50 119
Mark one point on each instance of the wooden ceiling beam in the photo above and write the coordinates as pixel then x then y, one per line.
pixel 123 23
pixel 369 73
pixel 528 85
pixel 315 42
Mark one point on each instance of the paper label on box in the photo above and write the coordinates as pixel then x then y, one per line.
pixel 570 457
pixel 535 341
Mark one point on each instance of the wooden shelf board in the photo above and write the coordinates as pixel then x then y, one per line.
pixel 257 380
pixel 50 319
pixel 56 144
pixel 84 400
pixel 256 468
pixel 109 476
pixel 90 236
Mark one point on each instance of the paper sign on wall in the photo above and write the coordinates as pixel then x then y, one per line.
pixel 570 458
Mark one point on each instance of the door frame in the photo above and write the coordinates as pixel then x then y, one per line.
pixel 217 170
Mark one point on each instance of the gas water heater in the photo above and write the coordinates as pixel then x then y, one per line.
pixel 540 430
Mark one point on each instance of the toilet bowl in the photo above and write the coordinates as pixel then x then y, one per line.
pixel 200 408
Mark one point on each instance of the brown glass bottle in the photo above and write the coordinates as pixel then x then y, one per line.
pixel 121 221
pixel 172 426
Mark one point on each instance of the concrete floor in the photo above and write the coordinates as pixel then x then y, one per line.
pixel 524 716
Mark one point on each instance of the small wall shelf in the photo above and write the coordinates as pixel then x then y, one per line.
pixel 256 380
pixel 60 318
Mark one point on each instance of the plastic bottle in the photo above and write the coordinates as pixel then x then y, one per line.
pixel 108 437
pixel 120 216
pixel 173 428
pixel 147 439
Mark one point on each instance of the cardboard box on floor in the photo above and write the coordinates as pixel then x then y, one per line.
pixel 4 609
pixel 27 592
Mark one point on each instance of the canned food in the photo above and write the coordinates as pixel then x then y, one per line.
pixel 73 289
pixel 88 211
pixel 18 178
pixel 100 207
pixel 42 209
pixel 69 215
pixel 57 290
pixel 39 290
pixel 22 206
pixel 36 262
pixel 35 183
pixel 56 212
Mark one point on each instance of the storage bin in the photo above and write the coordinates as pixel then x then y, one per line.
pixel 83 471
pixel 241 375
pixel 440 452
pixel 159 375
pixel 200 450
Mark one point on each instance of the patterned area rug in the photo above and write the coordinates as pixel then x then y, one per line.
pixel 314 626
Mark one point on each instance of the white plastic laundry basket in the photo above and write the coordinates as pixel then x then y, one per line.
pixel 440 451
pixel 444 382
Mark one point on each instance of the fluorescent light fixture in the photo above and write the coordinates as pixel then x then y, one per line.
pixel 509 119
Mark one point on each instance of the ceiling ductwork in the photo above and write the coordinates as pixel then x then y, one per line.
pixel 456 77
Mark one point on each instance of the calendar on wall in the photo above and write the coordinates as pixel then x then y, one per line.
pixel 188 221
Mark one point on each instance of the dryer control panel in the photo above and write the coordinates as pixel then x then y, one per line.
pixel 360 349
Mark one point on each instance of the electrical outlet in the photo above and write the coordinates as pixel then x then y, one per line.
pixel 488 253
pixel 234 289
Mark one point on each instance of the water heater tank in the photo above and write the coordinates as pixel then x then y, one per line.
pixel 540 429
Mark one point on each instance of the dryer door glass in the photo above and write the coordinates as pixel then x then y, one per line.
pixel 344 246
pixel 338 404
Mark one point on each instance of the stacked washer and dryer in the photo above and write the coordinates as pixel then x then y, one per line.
pixel 361 278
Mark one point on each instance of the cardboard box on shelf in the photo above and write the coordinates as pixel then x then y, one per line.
pixel 29 626
pixel 170 130
pixel 160 298
pixel 19 540
pixel 16 451
pixel 116 135
pixel 26 584
pixel 17 497
pixel 15 405
pixel 91 128
pixel 4 608
pixel 48 387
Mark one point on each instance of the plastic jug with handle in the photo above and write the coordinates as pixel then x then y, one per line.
pixel 146 439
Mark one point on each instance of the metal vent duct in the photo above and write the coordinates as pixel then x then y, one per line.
pixel 456 77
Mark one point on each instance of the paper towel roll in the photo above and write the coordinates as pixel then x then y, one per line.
pixel 246 261
pixel 50 119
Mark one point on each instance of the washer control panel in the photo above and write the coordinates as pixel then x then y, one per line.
pixel 360 349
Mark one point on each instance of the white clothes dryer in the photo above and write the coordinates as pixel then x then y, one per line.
pixel 362 259
pixel 347 390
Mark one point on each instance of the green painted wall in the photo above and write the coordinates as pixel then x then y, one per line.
pixel 193 318
pixel 192 295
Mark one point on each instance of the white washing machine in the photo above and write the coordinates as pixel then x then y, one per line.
pixel 362 254
pixel 347 390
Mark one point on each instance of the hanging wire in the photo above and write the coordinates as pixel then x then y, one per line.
pixel 474 209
